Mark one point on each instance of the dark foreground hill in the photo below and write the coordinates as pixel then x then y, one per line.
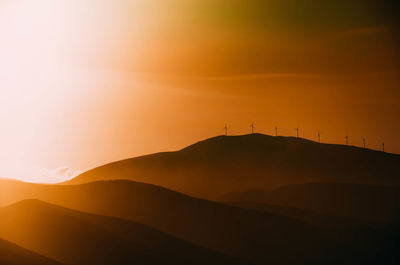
pixel 389 251
pixel 79 238
pixel 258 237
pixel 223 164
pixel 11 254
pixel 313 218
pixel 360 202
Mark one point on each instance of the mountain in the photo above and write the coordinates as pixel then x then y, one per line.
pixel 258 237
pixel 313 218
pixel 389 251
pixel 349 232
pixel 223 164
pixel 11 254
pixel 79 238
pixel 356 201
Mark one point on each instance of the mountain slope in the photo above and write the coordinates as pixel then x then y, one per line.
pixel 223 164
pixel 361 202
pixel 313 218
pixel 260 237
pixel 11 254
pixel 389 251
pixel 79 238
pixel 349 232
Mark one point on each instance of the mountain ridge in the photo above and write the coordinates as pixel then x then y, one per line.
pixel 359 201
pixel 222 228
pixel 11 254
pixel 267 237
pixel 76 237
pixel 222 164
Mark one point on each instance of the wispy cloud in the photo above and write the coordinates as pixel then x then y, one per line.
pixel 51 176
pixel 59 174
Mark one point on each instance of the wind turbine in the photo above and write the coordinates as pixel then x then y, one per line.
pixel 297 132
pixel 226 130
pixel 383 147
pixel 319 137
pixel 252 128
pixel 364 143
pixel 276 130
pixel 347 140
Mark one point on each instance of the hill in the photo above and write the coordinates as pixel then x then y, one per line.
pixel 259 237
pixel 11 254
pixel 313 218
pixel 389 251
pixel 223 164
pixel 360 202
pixel 79 238
pixel 349 232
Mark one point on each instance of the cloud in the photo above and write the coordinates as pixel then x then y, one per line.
pixel 59 174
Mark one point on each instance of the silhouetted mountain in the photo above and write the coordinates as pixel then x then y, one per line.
pixel 360 202
pixel 389 251
pixel 260 237
pixel 79 238
pixel 12 191
pixel 313 218
pixel 349 232
pixel 223 164
pixel 11 254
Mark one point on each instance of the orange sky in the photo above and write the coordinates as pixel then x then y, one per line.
pixel 87 82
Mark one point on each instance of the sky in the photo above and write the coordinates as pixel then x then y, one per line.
pixel 88 82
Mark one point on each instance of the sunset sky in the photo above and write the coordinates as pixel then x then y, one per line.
pixel 87 82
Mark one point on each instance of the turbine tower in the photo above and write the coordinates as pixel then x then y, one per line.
pixel 226 130
pixel 276 131
pixel 347 140
pixel 297 132
pixel 383 147
pixel 319 137
pixel 252 128
pixel 364 143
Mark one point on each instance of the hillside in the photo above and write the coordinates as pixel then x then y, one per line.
pixel 349 232
pixel 223 164
pixel 360 202
pixel 259 237
pixel 79 238
pixel 11 254
pixel 389 251
pixel 313 218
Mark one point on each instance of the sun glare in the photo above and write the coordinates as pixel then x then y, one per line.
pixel 42 68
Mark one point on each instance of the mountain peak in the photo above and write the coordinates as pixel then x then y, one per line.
pixel 248 141
pixel 223 164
